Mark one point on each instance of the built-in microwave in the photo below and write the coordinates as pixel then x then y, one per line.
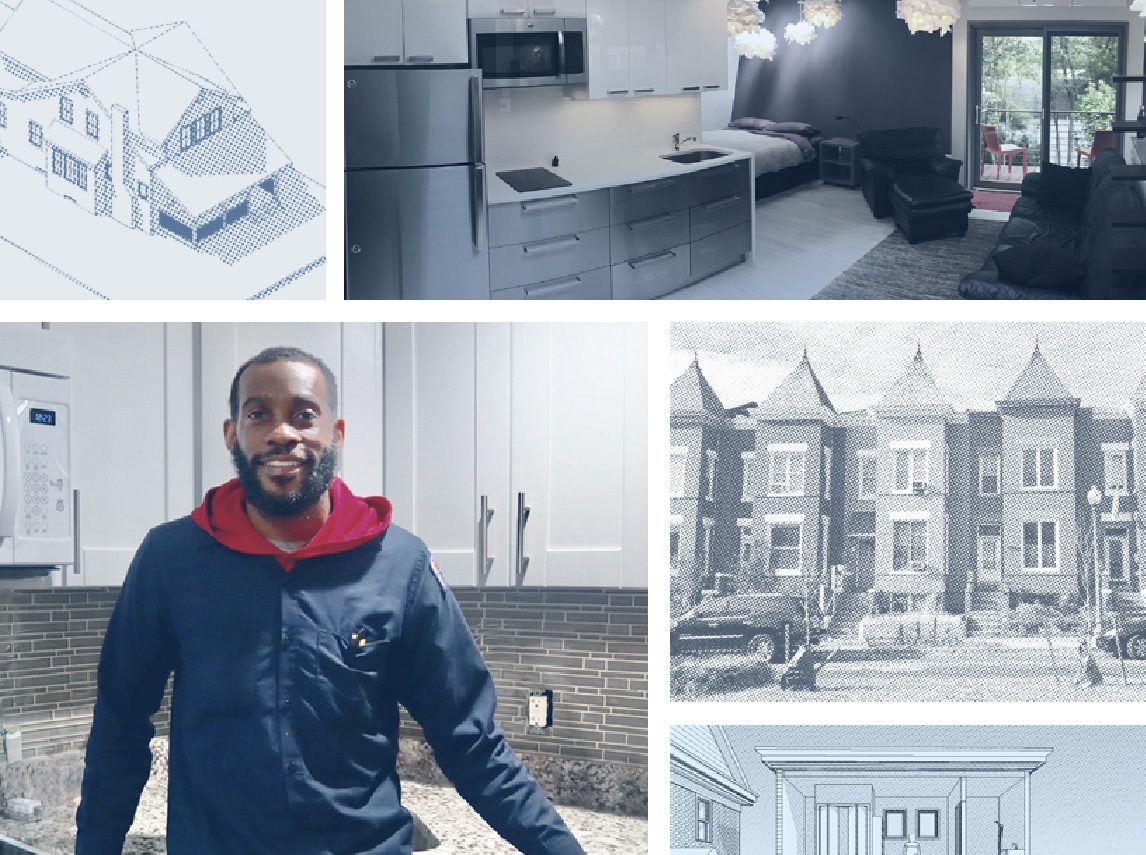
pixel 36 513
pixel 529 51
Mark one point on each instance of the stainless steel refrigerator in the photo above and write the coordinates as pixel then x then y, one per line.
pixel 415 185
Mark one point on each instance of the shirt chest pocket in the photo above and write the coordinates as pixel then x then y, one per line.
pixel 353 673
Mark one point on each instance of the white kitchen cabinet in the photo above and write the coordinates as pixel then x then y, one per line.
pixel 435 32
pixel 523 9
pixel 374 32
pixel 608 48
pixel 647 28
pixel 558 9
pixel 712 39
pixel 683 38
pixel 406 32
pixel 557 413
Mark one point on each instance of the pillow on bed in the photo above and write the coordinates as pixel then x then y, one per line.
pixel 749 123
pixel 801 128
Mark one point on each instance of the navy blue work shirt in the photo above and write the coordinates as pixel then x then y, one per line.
pixel 284 712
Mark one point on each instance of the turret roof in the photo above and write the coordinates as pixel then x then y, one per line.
pixel 915 393
pixel 800 396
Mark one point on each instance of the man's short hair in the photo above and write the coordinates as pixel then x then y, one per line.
pixel 286 354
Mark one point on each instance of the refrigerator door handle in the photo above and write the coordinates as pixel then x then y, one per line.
pixel 477 204
pixel 477 140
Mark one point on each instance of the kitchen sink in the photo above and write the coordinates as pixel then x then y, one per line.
pixel 694 156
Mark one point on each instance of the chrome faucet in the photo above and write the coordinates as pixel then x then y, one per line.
pixel 676 141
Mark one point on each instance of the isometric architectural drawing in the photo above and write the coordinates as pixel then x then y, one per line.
pixel 987 521
pixel 850 790
pixel 144 129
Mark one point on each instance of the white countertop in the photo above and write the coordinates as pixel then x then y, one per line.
pixel 586 175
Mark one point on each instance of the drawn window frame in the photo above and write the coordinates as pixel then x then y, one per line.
pixel 91 124
pixel 1035 455
pixel 934 815
pixel 703 820
pixel 901 818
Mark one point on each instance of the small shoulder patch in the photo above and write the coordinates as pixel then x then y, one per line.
pixel 437 571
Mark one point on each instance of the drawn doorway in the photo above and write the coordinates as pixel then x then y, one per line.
pixel 843 830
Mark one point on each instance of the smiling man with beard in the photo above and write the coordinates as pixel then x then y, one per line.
pixel 295 618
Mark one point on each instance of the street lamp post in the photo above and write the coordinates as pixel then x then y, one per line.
pixel 1094 499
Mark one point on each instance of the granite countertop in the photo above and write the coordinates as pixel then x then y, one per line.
pixel 597 173
pixel 460 829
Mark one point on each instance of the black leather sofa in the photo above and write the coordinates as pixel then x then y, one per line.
pixel 886 155
pixel 1086 231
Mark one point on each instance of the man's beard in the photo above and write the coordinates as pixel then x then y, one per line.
pixel 291 504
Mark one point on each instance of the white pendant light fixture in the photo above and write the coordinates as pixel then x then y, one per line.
pixel 928 16
pixel 756 44
pixel 744 26
pixel 824 13
pixel 801 32
pixel 1139 6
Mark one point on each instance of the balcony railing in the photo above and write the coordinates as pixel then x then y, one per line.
pixel 1070 130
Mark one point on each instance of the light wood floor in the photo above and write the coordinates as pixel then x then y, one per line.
pixel 805 238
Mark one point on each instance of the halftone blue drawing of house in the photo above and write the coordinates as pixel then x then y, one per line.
pixel 141 126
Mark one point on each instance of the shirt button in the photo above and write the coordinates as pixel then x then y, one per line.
pixel 285 705
pixel 286 641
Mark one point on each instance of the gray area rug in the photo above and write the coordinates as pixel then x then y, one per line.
pixel 930 270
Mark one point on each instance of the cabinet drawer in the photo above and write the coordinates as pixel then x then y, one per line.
pixel 719 214
pixel 551 258
pixel 719 182
pixel 590 285
pixel 639 238
pixel 720 250
pixel 641 201
pixel 518 222
pixel 645 278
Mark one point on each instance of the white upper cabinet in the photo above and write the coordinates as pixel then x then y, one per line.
pixel 436 32
pixel 406 32
pixel 608 48
pixel 684 39
pixel 647 46
pixel 374 32
pixel 523 9
pixel 712 37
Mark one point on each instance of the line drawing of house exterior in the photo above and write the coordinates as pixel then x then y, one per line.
pixel 907 501
pixel 903 801
pixel 143 127
pixel 707 792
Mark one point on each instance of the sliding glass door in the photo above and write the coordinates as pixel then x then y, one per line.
pixel 1040 94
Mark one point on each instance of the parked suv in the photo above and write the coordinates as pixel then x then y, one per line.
pixel 750 622
pixel 1131 637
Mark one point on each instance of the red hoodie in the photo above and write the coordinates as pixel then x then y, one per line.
pixel 352 522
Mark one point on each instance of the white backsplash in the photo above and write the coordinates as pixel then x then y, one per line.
pixel 527 127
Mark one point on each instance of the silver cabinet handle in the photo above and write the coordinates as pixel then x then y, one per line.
pixel 617 92
pixel 720 203
pixel 506 11
pixel 548 204
pixel 544 10
pixel 485 562
pixel 652 259
pixel 690 89
pixel 651 186
pixel 521 560
pixel 477 204
pixel 553 286
pixel 648 222
pixel 77 549
pixel 389 58
pixel 420 59
pixel 550 245
pixel 644 91
pixel 712 86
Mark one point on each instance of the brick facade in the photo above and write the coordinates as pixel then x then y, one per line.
pixel 953 503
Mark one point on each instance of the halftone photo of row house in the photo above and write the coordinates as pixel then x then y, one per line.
pixel 907 502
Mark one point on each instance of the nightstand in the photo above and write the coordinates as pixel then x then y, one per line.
pixel 839 161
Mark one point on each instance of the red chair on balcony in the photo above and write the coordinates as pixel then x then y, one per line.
pixel 1102 141
pixel 1001 151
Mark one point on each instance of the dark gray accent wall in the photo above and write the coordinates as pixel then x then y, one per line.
pixel 868 67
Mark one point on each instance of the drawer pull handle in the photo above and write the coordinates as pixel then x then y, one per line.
pixel 651 187
pixel 618 92
pixel 388 58
pixel 554 286
pixel 720 203
pixel 423 60
pixel 690 89
pixel 548 204
pixel 644 91
pixel 652 259
pixel 550 245
pixel 545 10
pixel 649 222
pixel 506 11
pixel 712 86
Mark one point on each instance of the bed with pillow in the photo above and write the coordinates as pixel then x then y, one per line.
pixel 783 153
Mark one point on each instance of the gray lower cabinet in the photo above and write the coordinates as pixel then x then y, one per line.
pixel 716 252
pixel 652 276
pixel 720 214
pixel 538 261
pixel 587 285
pixel 519 222
pixel 649 199
pixel 649 235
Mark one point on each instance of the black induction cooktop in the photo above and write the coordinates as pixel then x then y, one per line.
pixel 528 180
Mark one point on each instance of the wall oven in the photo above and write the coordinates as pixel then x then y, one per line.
pixel 529 52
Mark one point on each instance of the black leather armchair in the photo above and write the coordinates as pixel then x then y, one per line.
pixel 886 155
